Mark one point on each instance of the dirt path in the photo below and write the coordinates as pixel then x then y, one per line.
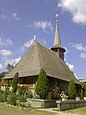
pixel 54 110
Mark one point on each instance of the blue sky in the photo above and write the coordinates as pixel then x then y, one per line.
pixel 21 20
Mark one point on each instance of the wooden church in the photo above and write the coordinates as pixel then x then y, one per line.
pixel 51 60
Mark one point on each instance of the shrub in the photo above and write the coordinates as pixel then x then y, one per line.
pixel 81 94
pixel 22 100
pixel 3 96
pixel 22 90
pixel 85 90
pixel 29 95
pixel 1 91
pixel 42 86
pixel 12 98
pixel 15 82
pixel 71 89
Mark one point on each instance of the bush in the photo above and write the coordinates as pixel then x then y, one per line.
pixel 72 89
pixel 22 100
pixel 1 92
pixel 81 94
pixel 85 90
pixel 42 86
pixel 29 95
pixel 12 98
pixel 22 90
pixel 15 82
pixel 0 98
pixel 3 96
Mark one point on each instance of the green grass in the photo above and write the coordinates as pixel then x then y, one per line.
pixel 80 111
pixel 8 110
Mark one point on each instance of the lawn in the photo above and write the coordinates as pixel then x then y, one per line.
pixel 8 110
pixel 80 111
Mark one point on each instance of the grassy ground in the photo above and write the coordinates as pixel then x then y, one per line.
pixel 80 111
pixel 8 110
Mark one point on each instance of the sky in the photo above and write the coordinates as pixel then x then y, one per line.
pixel 23 20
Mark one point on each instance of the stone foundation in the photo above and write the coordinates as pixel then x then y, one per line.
pixel 70 104
pixel 40 103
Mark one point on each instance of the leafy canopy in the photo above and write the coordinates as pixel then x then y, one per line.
pixel 42 86
pixel 72 89
pixel 15 82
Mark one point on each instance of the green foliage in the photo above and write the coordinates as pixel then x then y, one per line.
pixel 3 96
pixel 42 86
pixel 22 100
pixel 29 95
pixel 84 87
pixel 12 98
pixel 1 91
pixel 81 94
pixel 9 67
pixel 10 83
pixel 2 74
pixel 22 90
pixel 71 89
pixel 15 82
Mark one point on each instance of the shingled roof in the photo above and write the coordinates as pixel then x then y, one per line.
pixel 37 57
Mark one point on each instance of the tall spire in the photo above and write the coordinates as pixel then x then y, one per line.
pixel 57 42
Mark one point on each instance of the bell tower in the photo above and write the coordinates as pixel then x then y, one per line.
pixel 57 43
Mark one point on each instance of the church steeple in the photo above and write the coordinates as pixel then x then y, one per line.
pixel 57 43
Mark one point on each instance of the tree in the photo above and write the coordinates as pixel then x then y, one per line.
pixel 15 82
pixel 9 67
pixel 2 74
pixel 72 89
pixel 12 98
pixel 42 86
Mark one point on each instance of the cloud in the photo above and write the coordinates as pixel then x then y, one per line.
pixel 70 66
pixel 79 46
pixel 15 16
pixel 48 1
pixel 66 53
pixel 27 44
pixel 12 61
pixel 5 52
pixel 44 25
pixel 5 42
pixel 44 42
pixel 83 55
pixel 9 16
pixel 1 66
pixel 77 9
